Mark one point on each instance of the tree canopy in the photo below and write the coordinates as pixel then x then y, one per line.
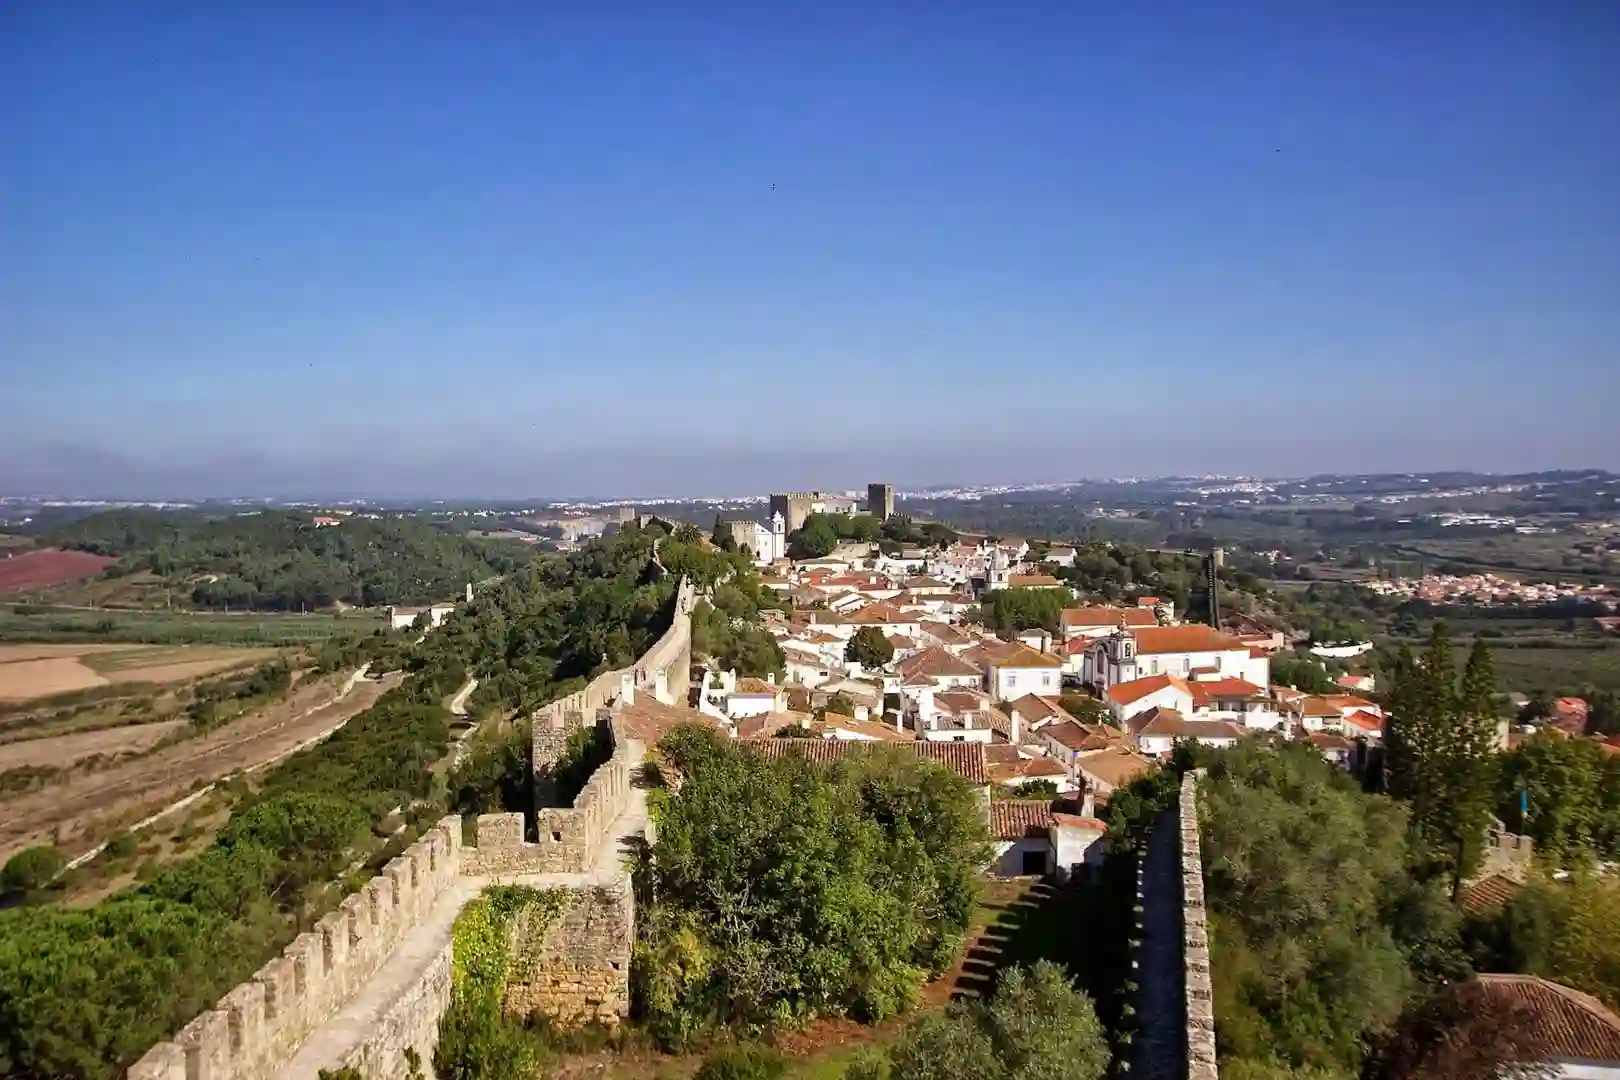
pixel 278 560
pixel 869 647
pixel 785 890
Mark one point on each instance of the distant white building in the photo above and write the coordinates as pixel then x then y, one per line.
pixel 766 543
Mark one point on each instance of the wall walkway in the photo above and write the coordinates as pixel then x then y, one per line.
pixel 373 977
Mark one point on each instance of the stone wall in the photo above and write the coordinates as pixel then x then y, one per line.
pixel 411 1021
pixel 568 839
pixel 256 1027
pixel 577 969
pixel 1200 994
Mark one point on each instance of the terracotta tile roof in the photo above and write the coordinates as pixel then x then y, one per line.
pixel 1116 766
pixel 1032 707
pixel 936 663
pixel 1022 768
pixel 870 729
pixel 649 719
pixel 1321 706
pixel 1168 722
pixel 754 727
pixel 1075 821
pixel 1083 617
pixel 1203 692
pixel 1327 740
pixel 1018 655
pixel 1366 721
pixel 1073 735
pixel 1032 581
pixel 1489 892
pixel 755 687
pixel 965 759
pixel 878 613
pixel 955 701
pixel 1127 693
pixel 1349 701
pixel 1016 819
pixel 1567 1025
pixel 944 633
pixel 1158 640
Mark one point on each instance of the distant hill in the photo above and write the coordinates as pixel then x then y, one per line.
pixel 279 560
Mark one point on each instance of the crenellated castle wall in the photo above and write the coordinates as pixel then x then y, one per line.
pixel 256 1027
pixel 581 966
pixel 1200 992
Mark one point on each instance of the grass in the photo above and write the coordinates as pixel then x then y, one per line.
pixel 47 623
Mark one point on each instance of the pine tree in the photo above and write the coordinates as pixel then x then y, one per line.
pixel 1472 761
pixel 1441 751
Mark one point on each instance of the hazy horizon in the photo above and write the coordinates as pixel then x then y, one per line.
pixel 484 251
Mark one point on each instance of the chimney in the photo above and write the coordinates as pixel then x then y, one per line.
pixel 1012 722
pixel 627 688
pixel 1088 804
pixel 771 678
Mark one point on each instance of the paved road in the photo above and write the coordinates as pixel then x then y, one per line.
pixel 328 1046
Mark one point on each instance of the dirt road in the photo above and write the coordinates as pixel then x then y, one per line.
pixel 83 811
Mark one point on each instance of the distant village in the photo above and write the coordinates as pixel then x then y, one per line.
pixel 1087 708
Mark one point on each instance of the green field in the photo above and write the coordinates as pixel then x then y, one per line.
pixel 43 623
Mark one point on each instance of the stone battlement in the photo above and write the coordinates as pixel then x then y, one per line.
pixel 1199 989
pixel 256 1027
pixel 568 838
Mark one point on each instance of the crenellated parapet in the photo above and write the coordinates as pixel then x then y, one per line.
pixel 256 1027
pixel 1197 984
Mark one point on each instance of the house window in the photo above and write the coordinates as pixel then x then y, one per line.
pixel 1046 679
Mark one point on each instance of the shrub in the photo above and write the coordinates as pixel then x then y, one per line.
pixel 742 1063
pixel 30 870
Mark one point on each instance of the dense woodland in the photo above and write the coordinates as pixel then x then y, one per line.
pixel 278 560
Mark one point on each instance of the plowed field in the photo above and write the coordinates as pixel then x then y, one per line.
pixel 47 567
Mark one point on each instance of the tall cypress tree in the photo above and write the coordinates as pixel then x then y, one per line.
pixel 1472 761
pixel 1441 751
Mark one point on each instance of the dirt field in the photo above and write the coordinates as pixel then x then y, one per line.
pixel 30 671
pixel 63 750
pixel 41 569
pixel 87 809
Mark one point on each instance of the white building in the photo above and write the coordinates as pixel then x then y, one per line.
pixel 1013 670
pixel 1190 651
pixel 767 543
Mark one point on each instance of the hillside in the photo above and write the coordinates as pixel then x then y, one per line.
pixel 281 561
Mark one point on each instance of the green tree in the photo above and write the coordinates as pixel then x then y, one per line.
pixel 28 871
pixel 1009 612
pixel 816 539
pixel 1440 756
pixel 1036 789
pixel 1300 869
pixel 1560 780
pixel 869 648
pixel 1036 1027
pixel 786 889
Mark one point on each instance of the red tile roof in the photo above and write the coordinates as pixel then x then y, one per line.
pixel 1075 821
pixel 1157 640
pixel 1018 655
pixel 965 759
pixel 1128 693
pixel 1016 819
pixel 1565 1024
pixel 1116 766
pixel 1489 892
pixel 1205 691
pixel 1366 721
pixel 935 663
pixel 1082 617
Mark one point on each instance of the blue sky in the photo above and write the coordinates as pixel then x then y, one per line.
pixel 526 250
